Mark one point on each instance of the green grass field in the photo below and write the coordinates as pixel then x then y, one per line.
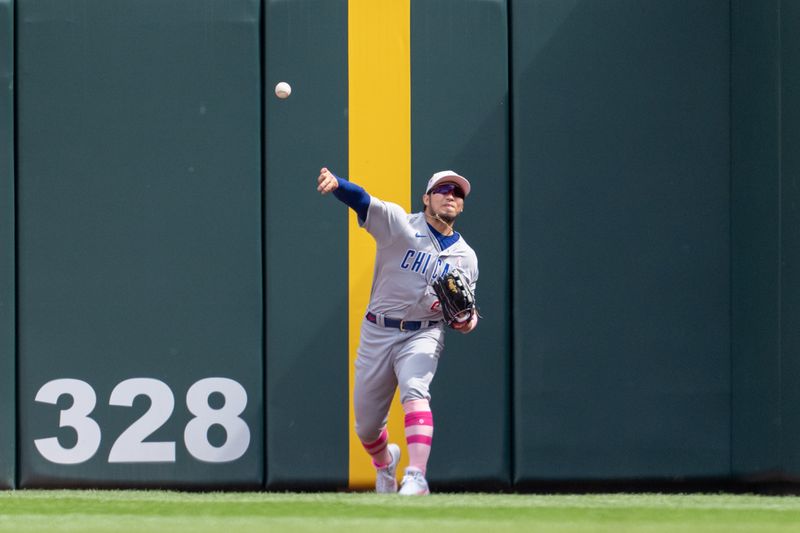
pixel 90 511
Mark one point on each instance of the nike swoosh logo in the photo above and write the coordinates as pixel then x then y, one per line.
pixel 418 235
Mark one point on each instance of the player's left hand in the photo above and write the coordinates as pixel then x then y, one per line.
pixel 467 325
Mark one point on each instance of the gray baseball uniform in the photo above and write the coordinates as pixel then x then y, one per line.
pixel 410 255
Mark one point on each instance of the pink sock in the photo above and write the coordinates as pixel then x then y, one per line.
pixel 377 449
pixel 419 432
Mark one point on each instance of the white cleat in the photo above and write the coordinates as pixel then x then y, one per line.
pixel 414 483
pixel 386 477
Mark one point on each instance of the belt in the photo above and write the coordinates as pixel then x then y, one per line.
pixel 402 325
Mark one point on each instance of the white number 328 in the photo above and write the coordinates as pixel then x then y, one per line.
pixel 130 446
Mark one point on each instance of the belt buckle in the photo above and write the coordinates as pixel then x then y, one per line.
pixel 402 325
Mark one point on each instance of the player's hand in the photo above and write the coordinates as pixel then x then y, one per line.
pixel 467 325
pixel 326 182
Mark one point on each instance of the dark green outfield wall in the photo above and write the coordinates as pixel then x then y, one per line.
pixel 7 286
pixel 621 239
pixel 173 295
pixel 471 388
pixel 306 245
pixel 139 251
pixel 765 282
pixel 756 316
pixel 306 372
pixel 790 232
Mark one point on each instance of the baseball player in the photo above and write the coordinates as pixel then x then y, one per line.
pixel 402 334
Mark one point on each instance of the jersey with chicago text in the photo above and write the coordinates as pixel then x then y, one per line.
pixel 408 260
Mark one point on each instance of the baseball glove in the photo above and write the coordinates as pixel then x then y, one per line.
pixel 455 297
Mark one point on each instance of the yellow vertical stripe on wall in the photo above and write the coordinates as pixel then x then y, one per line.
pixel 379 64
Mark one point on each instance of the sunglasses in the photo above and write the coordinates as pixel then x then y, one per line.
pixel 447 188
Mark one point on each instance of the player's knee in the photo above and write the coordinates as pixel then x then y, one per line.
pixel 368 432
pixel 414 389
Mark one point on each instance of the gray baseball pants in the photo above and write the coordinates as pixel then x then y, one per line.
pixel 388 358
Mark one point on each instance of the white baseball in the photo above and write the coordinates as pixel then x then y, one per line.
pixel 283 90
